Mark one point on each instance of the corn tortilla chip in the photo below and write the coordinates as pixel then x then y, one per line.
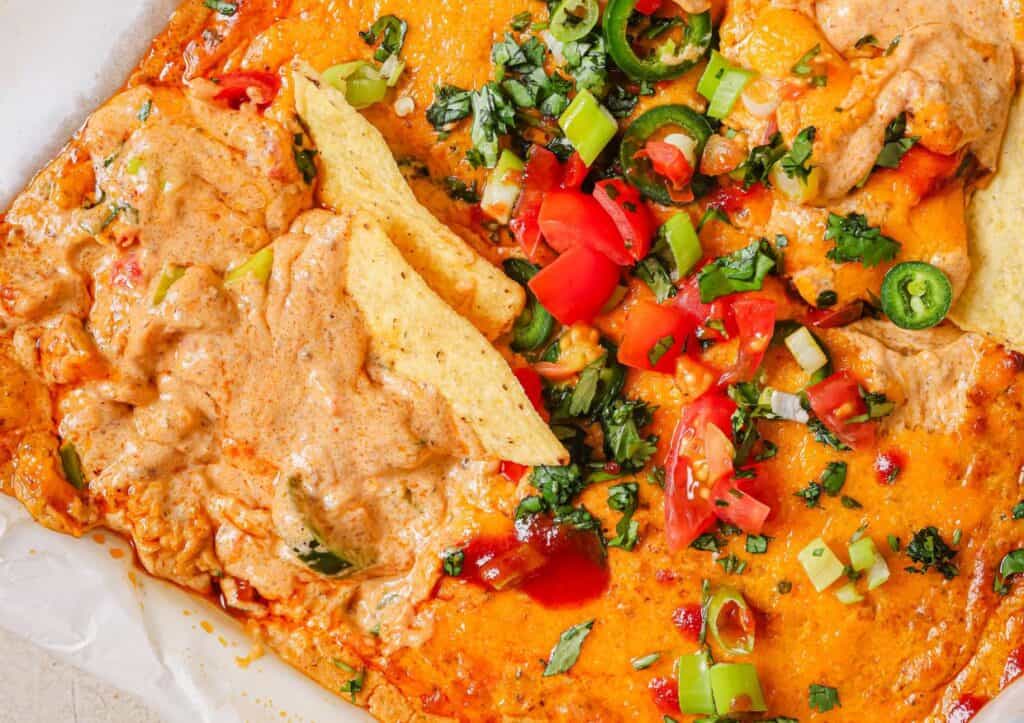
pixel 360 172
pixel 992 302
pixel 418 336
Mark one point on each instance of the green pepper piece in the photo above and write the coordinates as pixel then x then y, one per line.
pixel 646 126
pixel 916 295
pixel 696 41
pixel 566 25
pixel 72 465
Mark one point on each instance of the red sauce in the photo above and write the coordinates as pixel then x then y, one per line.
pixel 888 466
pixel 665 694
pixel 1014 666
pixel 966 708
pixel 557 566
pixel 688 620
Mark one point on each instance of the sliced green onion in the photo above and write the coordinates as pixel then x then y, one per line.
pixel 683 242
pixel 848 594
pixel 736 689
pixel 708 83
pixel 503 188
pixel 878 574
pixel 588 125
pixel 392 69
pixel 167 279
pixel 731 85
pixel 645 661
pixel 133 166
pixel 863 554
pixel 566 25
pixel 694 674
pixel 730 603
pixel 361 82
pixel 72 465
pixel 258 266
pixel 787 406
pixel 821 564
pixel 806 350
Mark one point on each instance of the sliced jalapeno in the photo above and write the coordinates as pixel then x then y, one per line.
pixel 667 60
pixel 916 295
pixel 535 324
pixel 638 172
pixel 569 24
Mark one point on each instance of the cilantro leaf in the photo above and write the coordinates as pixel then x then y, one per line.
pixel 567 651
pixel 453 559
pixel 794 162
pixel 1018 511
pixel 855 240
pixel 760 161
pixel 897 143
pixel 833 478
pixel 621 422
pixel 651 270
pixel 624 498
pixel 757 544
pixel 586 60
pixel 222 8
pixel 1011 564
pixel 391 30
pixel 811 494
pixel 930 552
pixel 823 698
pixel 742 270
pixel 493 117
pixel 451 104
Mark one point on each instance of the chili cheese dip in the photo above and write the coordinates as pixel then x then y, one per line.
pixel 574 360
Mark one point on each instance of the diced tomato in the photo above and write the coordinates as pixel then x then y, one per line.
pixel 1014 666
pixel 688 510
pixel 243 86
pixel 634 220
pixel 734 505
pixel 755 323
pixel 967 706
pixel 888 466
pixel 924 170
pixel 576 285
pixel 665 694
pixel 668 161
pixel 838 399
pixel 835 317
pixel 647 7
pixel 687 299
pixel 529 379
pixel 543 173
pixel 732 198
pixel 654 337
pixel 126 272
pixel 575 172
pixel 570 218
pixel 512 471
pixel 689 619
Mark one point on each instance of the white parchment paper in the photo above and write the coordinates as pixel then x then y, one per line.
pixel 60 59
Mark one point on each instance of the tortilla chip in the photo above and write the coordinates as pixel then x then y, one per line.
pixel 419 337
pixel 360 172
pixel 992 302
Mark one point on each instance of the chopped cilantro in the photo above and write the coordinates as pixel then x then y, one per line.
pixel 894 542
pixel 145 110
pixel 620 102
pixel 621 422
pixel 760 161
pixel 850 503
pixel 304 161
pixel 742 270
pixel 624 498
pixel 1018 511
pixel 794 163
pixel 707 542
pixel 390 30
pixel 824 435
pixel 897 143
pixel 651 270
pixel 811 494
pixel 732 565
pixel 784 587
pixel 660 348
pixel 493 117
pixel 803 66
pixel 223 8
pixel 567 650
pixel 521 21
pixel 822 698
pixel 855 240
pixel 354 685
pixel 866 40
pixel 1011 564
pixel 586 60
pixel 833 478
pixel 452 560
pixel 757 544
pixel 460 190
pixel 451 104
pixel 930 551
